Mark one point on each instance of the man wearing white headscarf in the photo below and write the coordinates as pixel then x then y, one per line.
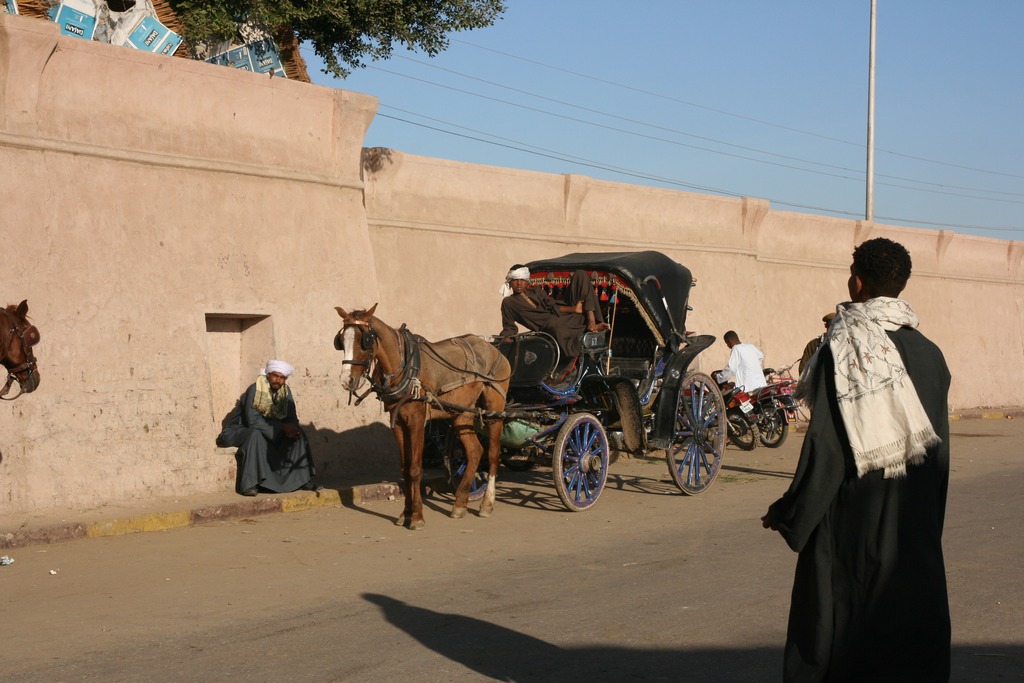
pixel 535 310
pixel 273 454
pixel 866 506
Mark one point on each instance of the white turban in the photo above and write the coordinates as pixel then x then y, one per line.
pixel 514 274
pixel 518 274
pixel 279 366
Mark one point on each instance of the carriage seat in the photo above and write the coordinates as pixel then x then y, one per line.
pixel 533 356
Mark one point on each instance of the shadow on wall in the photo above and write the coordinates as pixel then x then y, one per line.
pixel 364 455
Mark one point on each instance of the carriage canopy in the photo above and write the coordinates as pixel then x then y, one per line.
pixel 658 285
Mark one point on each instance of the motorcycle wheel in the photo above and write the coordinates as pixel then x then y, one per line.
pixel 773 432
pixel 742 434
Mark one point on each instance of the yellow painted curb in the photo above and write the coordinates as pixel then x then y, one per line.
pixel 151 522
pixel 993 416
pixel 307 502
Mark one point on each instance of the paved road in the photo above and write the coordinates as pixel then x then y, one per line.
pixel 648 585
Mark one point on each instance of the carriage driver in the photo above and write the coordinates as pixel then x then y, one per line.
pixel 535 310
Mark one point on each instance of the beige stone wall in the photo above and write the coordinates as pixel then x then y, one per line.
pixel 173 224
pixel 445 233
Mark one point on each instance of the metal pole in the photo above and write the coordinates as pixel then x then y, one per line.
pixel 869 208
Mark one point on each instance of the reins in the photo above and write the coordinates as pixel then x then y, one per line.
pixel 408 388
pixel 451 366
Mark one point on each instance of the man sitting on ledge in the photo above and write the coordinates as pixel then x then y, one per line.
pixel 273 454
pixel 535 310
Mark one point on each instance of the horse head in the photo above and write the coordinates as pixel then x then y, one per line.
pixel 18 336
pixel 357 340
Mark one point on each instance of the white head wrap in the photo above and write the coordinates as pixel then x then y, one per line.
pixel 518 274
pixel 514 274
pixel 279 366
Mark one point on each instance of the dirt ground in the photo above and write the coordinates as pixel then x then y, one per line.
pixel 647 585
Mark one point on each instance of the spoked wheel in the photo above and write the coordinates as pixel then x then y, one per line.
pixel 695 455
pixel 455 466
pixel 580 461
pixel 773 431
pixel 741 433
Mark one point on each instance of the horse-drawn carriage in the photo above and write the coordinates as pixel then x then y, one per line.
pixel 630 389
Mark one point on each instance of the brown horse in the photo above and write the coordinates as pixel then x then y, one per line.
pixel 18 336
pixel 417 381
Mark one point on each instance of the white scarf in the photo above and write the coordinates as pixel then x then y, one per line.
pixel 884 418
pixel 269 404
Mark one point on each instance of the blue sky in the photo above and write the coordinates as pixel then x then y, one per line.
pixel 738 98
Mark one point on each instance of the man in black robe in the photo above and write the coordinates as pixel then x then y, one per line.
pixel 273 453
pixel 813 345
pixel 867 503
pixel 535 310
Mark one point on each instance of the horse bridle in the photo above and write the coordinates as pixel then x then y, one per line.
pixel 29 366
pixel 408 368
pixel 367 339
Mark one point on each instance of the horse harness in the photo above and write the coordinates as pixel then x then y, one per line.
pixel 32 333
pixel 407 372
pixel 408 387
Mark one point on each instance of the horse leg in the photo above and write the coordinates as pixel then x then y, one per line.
pixel 399 431
pixel 493 460
pixel 413 418
pixel 463 426
pixel 492 401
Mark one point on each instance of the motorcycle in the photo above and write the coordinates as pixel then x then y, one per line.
pixel 763 415
pixel 775 407
pixel 742 421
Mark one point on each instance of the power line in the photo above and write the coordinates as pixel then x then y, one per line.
pixel 527 148
pixel 631 173
pixel 951 225
pixel 859 178
pixel 600 125
pixel 560 156
pixel 615 116
pixel 733 114
pixel 520 146
pixel 693 135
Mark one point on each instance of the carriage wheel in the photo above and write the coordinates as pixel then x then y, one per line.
pixel 699 444
pixel 580 461
pixel 741 433
pixel 455 466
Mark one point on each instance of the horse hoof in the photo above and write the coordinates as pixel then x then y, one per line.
pixel 486 513
pixel 458 513
pixel 400 521
pixel 416 524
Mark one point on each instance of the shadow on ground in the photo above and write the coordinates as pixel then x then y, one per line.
pixel 505 654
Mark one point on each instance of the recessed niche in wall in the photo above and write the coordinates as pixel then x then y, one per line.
pixel 238 346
